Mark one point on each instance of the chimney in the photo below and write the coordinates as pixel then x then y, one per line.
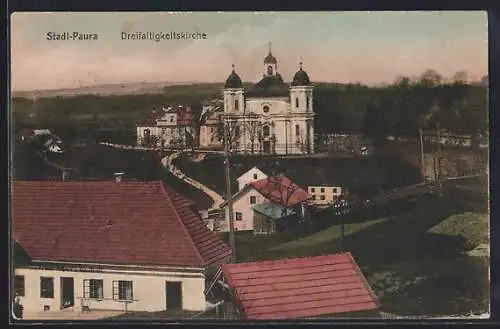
pixel 66 174
pixel 118 176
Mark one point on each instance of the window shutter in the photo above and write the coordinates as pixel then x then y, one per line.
pixel 116 290
pixel 86 288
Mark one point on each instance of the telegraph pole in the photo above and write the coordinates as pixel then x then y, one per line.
pixel 229 195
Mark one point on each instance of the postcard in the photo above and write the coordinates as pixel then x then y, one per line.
pixel 240 166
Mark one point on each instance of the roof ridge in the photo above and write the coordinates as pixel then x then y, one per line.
pixel 284 260
pixel 177 216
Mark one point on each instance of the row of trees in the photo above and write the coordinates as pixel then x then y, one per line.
pixel 459 107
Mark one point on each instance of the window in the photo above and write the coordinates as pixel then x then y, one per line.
pixel 46 287
pixel 236 105
pixel 239 216
pixel 93 289
pixel 296 102
pixel 307 102
pixel 269 70
pixel 266 131
pixel 322 190
pixel 297 130
pixel 265 109
pixel 122 290
pixel 254 176
pixel 171 118
pixel 335 190
pixel 313 197
pixel 236 131
pixel 313 189
pixel 322 197
pixel 253 199
pixel 212 129
pixel 147 132
pixel 19 285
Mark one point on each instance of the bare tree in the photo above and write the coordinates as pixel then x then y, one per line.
pixel 229 131
pixel 252 127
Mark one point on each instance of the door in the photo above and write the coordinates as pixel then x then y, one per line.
pixel 266 146
pixel 174 295
pixel 67 292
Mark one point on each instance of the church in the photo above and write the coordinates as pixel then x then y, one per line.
pixel 272 117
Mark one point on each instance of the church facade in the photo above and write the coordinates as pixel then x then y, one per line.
pixel 272 117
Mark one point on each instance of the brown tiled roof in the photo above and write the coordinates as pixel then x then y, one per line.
pixel 280 189
pixel 300 287
pixel 109 222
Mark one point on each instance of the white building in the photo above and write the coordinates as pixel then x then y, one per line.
pixel 210 124
pixel 252 175
pixel 130 245
pixel 278 190
pixel 272 117
pixel 172 126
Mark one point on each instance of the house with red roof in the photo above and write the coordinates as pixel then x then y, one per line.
pixel 170 126
pixel 281 196
pixel 110 245
pixel 329 286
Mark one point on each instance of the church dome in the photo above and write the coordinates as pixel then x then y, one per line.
pixel 233 80
pixel 301 78
pixel 270 59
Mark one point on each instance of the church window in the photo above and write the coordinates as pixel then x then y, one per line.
pixel 236 105
pixel 265 109
pixel 297 130
pixel 269 70
pixel 266 131
pixel 307 103
pixel 296 102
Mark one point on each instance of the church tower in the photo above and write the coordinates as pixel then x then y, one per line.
pixel 301 103
pixel 270 64
pixel 234 100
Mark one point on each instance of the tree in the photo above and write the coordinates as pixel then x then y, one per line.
pixel 229 132
pixel 150 141
pixel 375 124
pixel 461 77
pixel 430 78
pixel 252 127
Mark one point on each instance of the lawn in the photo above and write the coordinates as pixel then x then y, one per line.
pixel 323 237
pixel 472 227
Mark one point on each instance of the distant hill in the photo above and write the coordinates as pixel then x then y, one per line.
pixel 137 88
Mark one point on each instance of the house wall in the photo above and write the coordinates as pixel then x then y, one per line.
pixel 242 205
pixel 248 177
pixel 149 289
pixel 330 194
pixel 208 136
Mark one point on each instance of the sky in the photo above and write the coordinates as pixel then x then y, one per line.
pixel 365 47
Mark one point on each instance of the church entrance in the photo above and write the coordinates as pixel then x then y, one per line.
pixel 266 147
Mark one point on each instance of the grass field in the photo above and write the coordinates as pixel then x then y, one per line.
pixel 469 226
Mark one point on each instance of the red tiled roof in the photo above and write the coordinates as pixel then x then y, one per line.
pixel 111 222
pixel 281 190
pixel 300 287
